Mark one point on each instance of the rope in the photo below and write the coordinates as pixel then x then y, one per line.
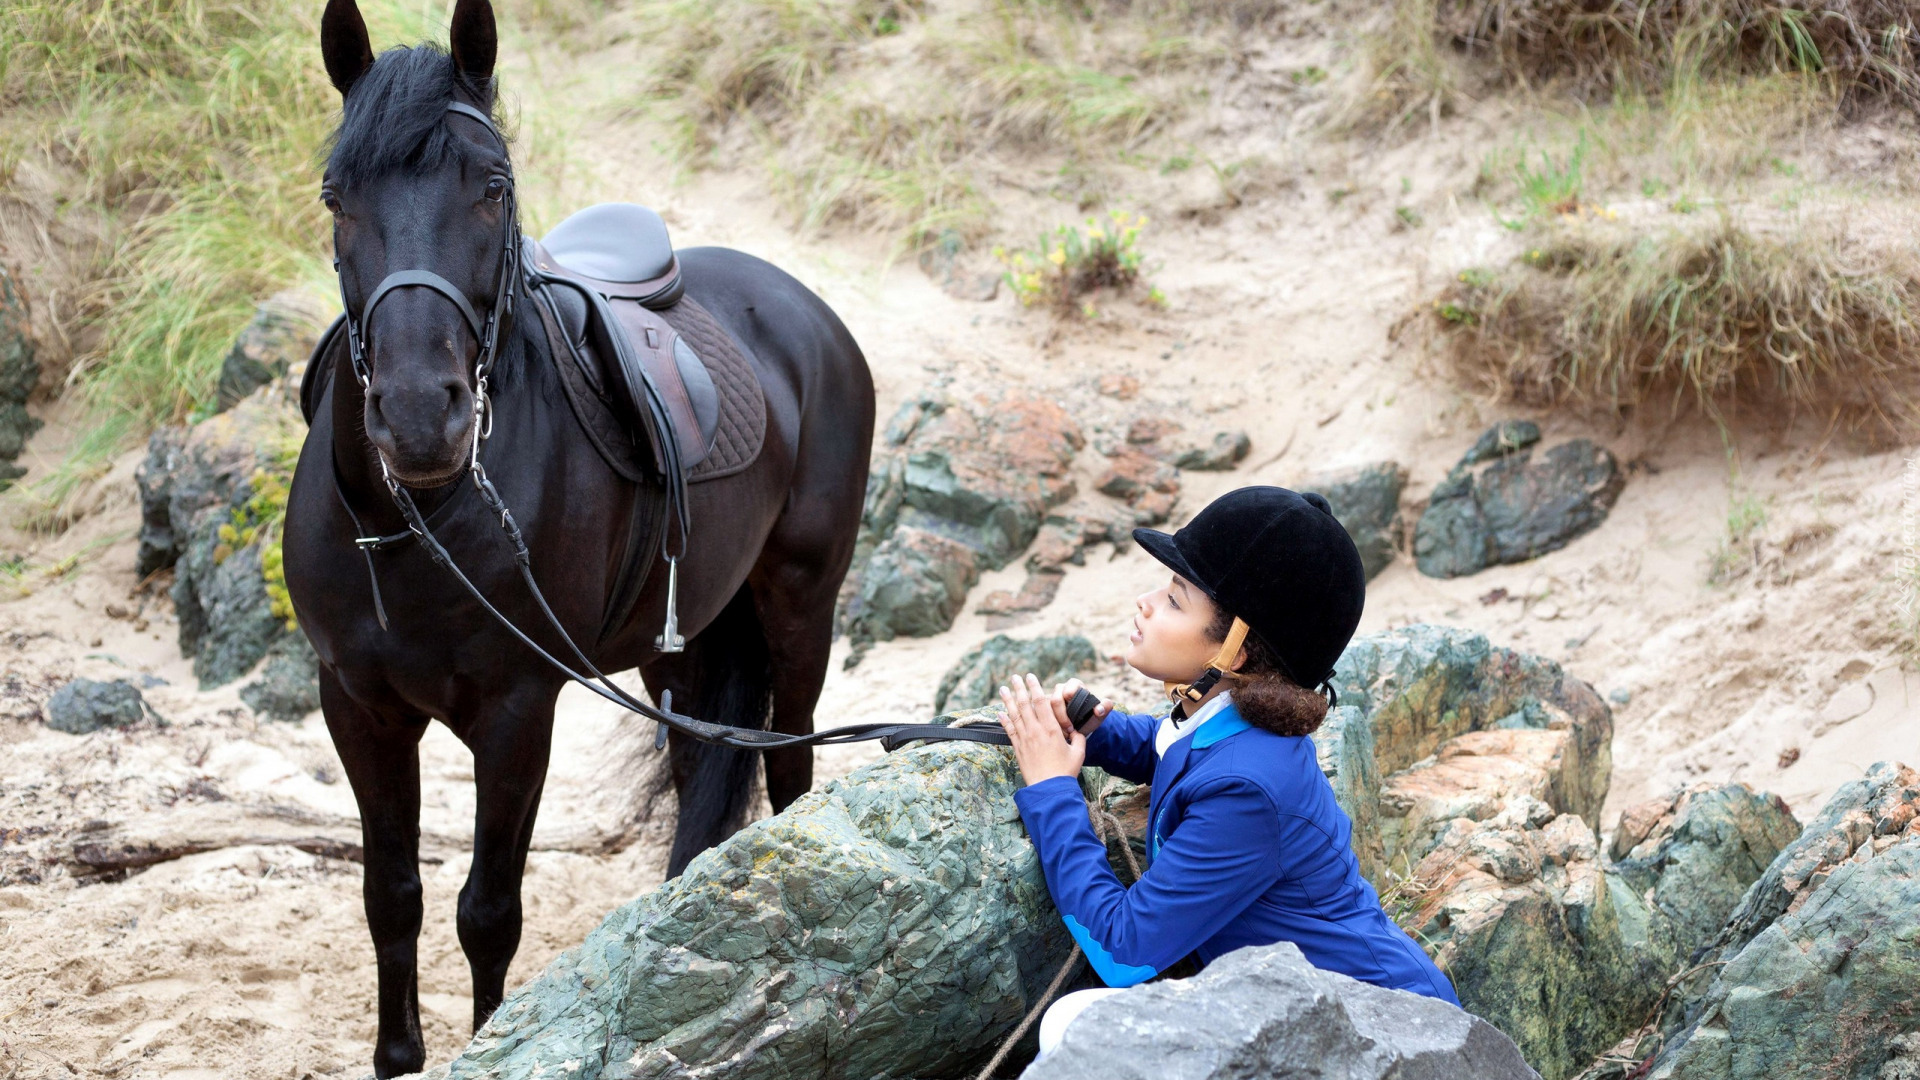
pixel 1105 826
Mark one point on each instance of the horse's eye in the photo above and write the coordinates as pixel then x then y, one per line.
pixel 331 201
pixel 496 189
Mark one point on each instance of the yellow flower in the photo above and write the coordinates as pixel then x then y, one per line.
pixel 1057 257
pixel 1096 234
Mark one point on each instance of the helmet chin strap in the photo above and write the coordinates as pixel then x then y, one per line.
pixel 1220 667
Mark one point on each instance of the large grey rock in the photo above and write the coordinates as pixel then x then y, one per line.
pixel 979 471
pixel 283 331
pixel 1366 502
pixel 199 489
pixel 894 924
pixel 84 706
pixel 975 679
pixel 1863 820
pixel 1827 989
pixel 1497 505
pixel 1267 1012
pixel 19 373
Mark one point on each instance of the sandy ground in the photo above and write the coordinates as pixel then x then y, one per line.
pixel 252 960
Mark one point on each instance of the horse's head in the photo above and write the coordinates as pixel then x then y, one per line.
pixel 421 193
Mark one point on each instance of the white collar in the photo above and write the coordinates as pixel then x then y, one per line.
pixel 1172 731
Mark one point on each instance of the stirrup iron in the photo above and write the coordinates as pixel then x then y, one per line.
pixel 669 639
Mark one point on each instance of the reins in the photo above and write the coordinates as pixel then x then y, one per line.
pixel 420 530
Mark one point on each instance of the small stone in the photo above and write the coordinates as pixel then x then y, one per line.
pixel 1149 429
pixel 84 706
pixel 1501 439
pixel 1226 450
pixel 1620 695
pixel 1131 474
pixel 1037 592
pixel 1153 507
pixel 1124 387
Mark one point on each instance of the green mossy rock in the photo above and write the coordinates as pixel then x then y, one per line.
pixel 895 924
pixel 1826 990
pixel 975 679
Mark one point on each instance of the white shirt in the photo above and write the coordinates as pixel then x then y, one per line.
pixel 1172 731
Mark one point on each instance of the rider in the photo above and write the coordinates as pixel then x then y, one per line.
pixel 1246 843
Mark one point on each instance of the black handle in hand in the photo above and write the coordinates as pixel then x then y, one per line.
pixel 1080 708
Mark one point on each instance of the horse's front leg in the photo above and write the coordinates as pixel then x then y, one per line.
pixel 382 759
pixel 511 739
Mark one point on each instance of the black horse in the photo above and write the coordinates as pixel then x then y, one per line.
pixel 416 183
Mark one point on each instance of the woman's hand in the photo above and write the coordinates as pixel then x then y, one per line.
pixel 1044 743
pixel 1062 693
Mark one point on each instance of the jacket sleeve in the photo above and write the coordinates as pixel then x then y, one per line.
pixel 1224 855
pixel 1123 746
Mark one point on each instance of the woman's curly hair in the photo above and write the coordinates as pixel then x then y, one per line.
pixel 1262 691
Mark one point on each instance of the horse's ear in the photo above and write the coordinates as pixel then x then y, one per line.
pixel 344 45
pixel 474 42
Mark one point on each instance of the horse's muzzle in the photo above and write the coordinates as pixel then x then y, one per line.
pixel 424 430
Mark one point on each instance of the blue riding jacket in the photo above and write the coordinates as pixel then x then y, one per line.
pixel 1246 846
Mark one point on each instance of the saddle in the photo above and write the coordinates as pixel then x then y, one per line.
pixel 645 359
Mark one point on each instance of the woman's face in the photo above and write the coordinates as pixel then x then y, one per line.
pixel 1169 639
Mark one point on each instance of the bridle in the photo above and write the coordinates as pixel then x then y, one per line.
pixel 487 333
pixel 418 528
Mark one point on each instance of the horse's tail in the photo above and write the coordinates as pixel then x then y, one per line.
pixel 726 675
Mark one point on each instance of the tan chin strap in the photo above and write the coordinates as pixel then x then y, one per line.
pixel 1220 667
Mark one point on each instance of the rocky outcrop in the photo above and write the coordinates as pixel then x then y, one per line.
pixel 211 497
pixel 1366 502
pixel 894 924
pixel 1476 804
pixel 1497 505
pixel 1422 685
pixel 84 706
pixel 1269 1013
pixel 1827 989
pixel 975 679
pixel 282 333
pixel 1812 973
pixel 19 373
pixel 980 474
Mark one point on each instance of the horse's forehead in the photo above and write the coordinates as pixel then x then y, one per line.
pixel 421 208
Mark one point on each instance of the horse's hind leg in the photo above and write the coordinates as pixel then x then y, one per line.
pixel 722 677
pixel 794 590
pixel 511 741
pixel 382 760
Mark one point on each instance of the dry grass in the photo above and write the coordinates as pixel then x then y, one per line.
pixel 1426 54
pixel 880 113
pixel 1613 316
pixel 1863 47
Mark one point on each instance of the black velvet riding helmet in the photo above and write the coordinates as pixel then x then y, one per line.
pixel 1278 561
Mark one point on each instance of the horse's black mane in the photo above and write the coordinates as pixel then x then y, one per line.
pixel 395 116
